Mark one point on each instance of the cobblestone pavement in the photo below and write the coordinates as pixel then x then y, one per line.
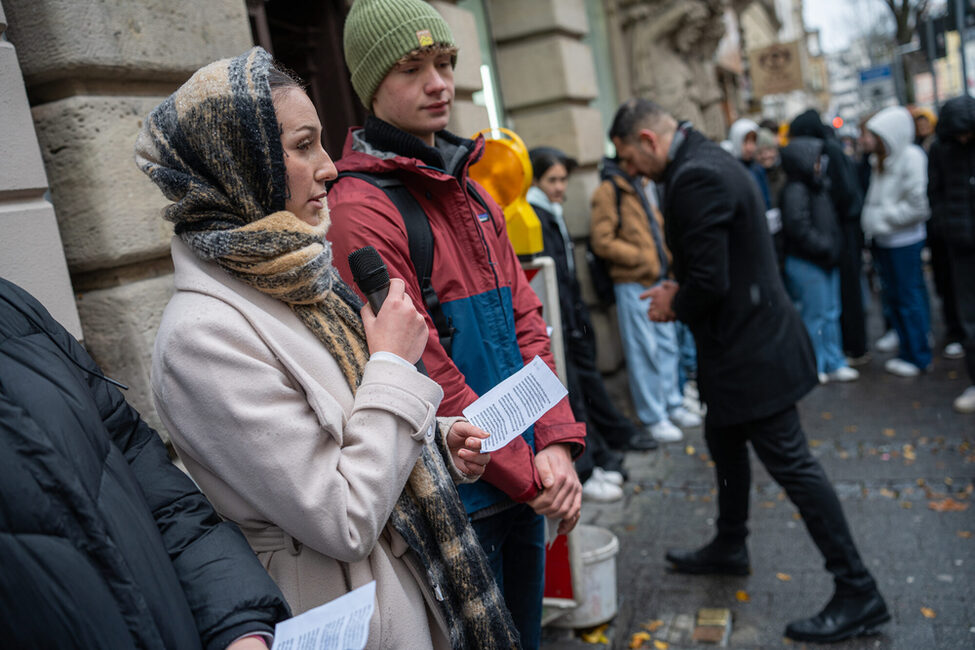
pixel 894 450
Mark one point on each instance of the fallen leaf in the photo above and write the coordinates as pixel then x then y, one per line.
pixel 815 443
pixel 742 596
pixel 660 645
pixel 768 504
pixel 827 415
pixel 909 453
pixel 965 534
pixel 928 612
pixel 638 639
pixel 920 482
pixel 596 635
pixel 850 428
pixel 906 505
pixel 784 577
pixel 689 450
pixel 889 433
pixel 952 374
pixel 796 516
pixel 887 492
pixel 948 480
pixel 637 489
pixel 947 505
pixel 653 626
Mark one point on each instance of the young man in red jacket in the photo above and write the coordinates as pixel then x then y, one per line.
pixel 401 56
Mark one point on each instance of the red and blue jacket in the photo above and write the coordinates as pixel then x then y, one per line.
pixel 476 274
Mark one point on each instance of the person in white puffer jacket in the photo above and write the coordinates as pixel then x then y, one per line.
pixel 893 217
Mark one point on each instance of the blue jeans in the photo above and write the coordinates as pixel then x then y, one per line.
pixel 687 355
pixel 652 355
pixel 902 281
pixel 816 293
pixel 514 542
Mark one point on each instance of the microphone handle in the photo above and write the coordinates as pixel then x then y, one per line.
pixel 376 299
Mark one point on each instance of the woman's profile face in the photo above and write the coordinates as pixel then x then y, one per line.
pixel 553 182
pixel 306 162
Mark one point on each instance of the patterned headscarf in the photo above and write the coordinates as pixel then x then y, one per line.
pixel 214 149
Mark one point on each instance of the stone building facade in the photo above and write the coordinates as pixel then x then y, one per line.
pixel 82 74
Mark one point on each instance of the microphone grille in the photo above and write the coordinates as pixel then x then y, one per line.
pixel 368 270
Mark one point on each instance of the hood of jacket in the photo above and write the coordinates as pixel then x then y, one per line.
pixel 808 125
pixel 737 133
pixel 799 158
pixel 957 118
pixel 610 167
pixel 895 126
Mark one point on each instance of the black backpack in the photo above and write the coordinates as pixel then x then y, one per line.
pixel 602 283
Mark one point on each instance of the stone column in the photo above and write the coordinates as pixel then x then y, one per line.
pixel 466 117
pixel 30 248
pixel 93 70
pixel 548 79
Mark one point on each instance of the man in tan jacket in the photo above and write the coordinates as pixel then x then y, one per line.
pixel 627 232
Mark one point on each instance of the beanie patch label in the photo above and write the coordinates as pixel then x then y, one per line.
pixel 424 37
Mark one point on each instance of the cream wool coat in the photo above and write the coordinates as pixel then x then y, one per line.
pixel 266 424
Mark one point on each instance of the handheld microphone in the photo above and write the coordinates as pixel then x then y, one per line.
pixel 372 277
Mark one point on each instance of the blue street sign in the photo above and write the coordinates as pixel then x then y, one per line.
pixel 877 73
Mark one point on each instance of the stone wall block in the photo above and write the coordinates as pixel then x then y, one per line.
pixel 21 167
pixel 467 74
pixel 467 118
pixel 582 183
pixel 31 257
pixel 512 19
pixel 109 211
pixel 121 39
pixel 120 325
pixel 3 20
pixel 576 130
pixel 546 70
pixel 609 350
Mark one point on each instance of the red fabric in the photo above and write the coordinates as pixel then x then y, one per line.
pixel 362 215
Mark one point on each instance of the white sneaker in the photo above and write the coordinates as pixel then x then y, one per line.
pixel 965 403
pixel 954 351
pixel 823 378
pixel 844 373
pixel 684 418
pixel 665 431
pixel 901 368
pixel 601 491
pixel 888 342
pixel 608 476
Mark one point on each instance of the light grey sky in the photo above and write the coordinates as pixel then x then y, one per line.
pixel 839 21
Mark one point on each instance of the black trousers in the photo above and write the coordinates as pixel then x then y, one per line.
pixel 780 444
pixel 945 284
pixel 853 324
pixel 963 272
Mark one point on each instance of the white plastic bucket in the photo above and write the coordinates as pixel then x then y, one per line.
pixel 597 600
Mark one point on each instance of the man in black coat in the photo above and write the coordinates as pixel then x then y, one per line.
pixel 104 543
pixel 754 358
pixel 951 191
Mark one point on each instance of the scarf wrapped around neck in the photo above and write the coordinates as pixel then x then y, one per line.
pixel 214 149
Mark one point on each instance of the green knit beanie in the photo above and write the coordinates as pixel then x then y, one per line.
pixel 378 33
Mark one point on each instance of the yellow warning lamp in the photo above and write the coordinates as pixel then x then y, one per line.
pixel 505 171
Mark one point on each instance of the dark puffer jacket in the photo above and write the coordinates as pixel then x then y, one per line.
pixel 844 185
pixel 808 220
pixel 103 542
pixel 951 174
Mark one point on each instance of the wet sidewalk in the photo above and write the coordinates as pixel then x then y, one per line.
pixel 903 464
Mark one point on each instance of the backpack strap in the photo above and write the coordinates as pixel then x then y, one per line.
pixel 420 239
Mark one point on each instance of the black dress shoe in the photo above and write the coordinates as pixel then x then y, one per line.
pixel 716 557
pixel 843 617
pixel 641 441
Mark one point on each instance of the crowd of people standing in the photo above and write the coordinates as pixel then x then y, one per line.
pixel 326 432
